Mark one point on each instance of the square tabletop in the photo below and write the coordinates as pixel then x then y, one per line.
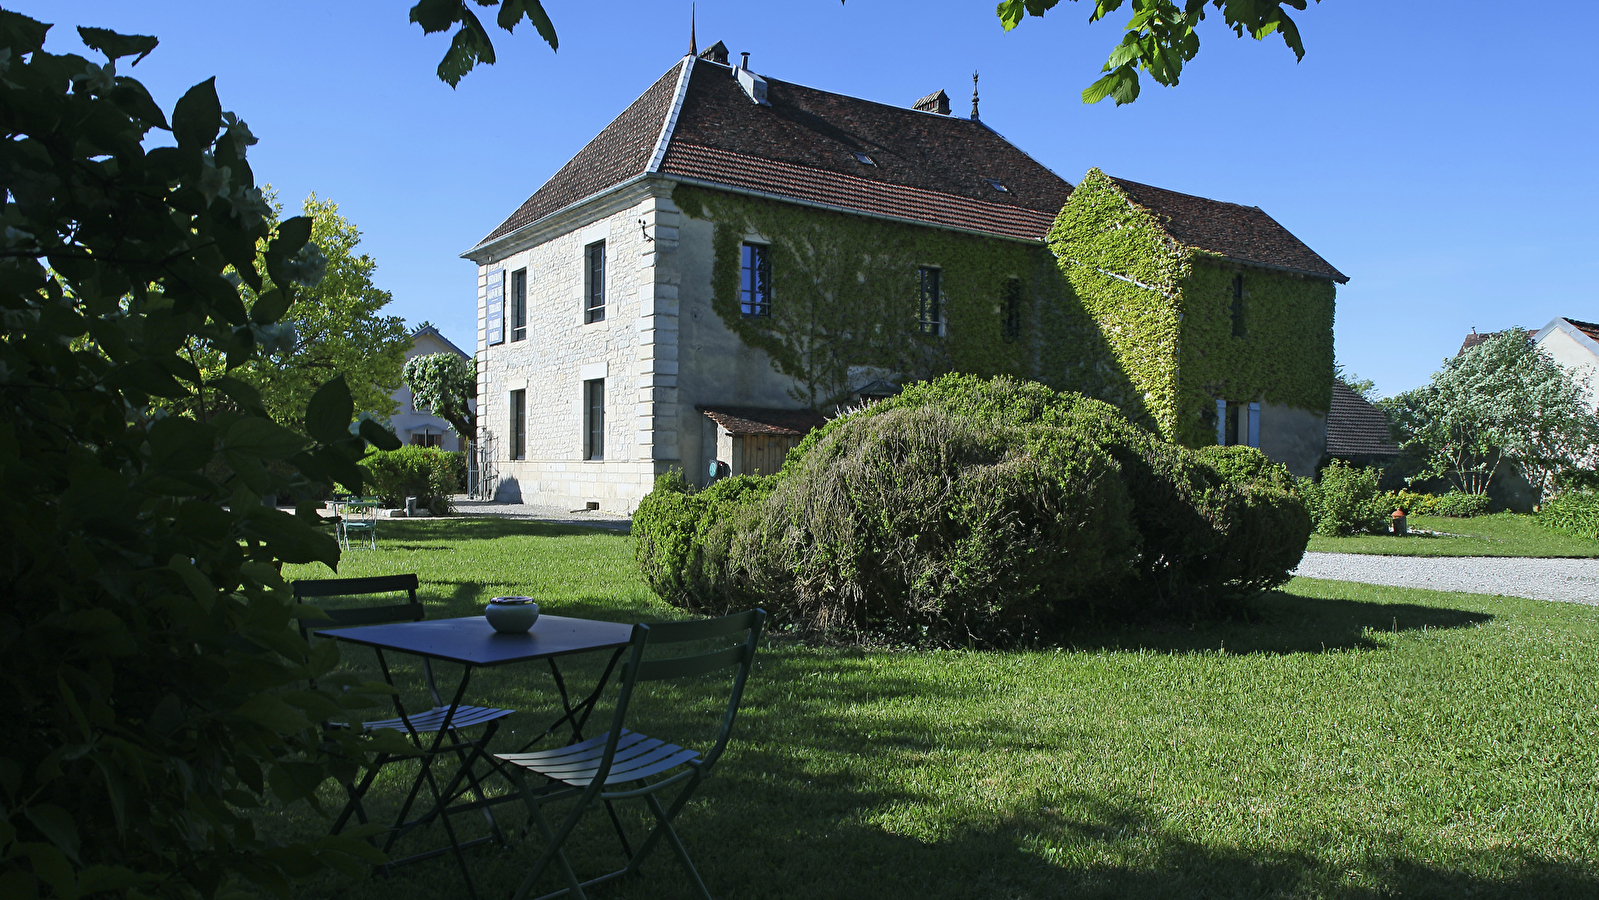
pixel 472 641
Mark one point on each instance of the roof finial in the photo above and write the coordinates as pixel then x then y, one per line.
pixel 693 47
pixel 974 97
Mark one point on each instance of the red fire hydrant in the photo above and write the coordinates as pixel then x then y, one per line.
pixel 1400 526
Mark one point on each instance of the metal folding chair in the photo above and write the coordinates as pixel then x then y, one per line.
pixel 413 724
pixel 621 764
pixel 358 523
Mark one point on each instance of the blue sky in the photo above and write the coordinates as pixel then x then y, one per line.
pixel 1439 152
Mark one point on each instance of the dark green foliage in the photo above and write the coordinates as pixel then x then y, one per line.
pixel 457 463
pixel 152 685
pixel 1458 505
pixel 969 510
pixel 1346 500
pixel 426 473
pixel 1575 512
pixel 1413 503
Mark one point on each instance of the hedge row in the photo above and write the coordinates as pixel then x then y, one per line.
pixel 972 511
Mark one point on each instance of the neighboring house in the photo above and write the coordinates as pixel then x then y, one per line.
pixel 734 254
pixel 419 426
pixel 1358 432
pixel 1575 345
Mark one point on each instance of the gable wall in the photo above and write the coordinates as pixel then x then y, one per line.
pixel 1574 357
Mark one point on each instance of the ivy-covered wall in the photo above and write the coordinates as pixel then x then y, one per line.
pixel 845 295
pixel 1165 312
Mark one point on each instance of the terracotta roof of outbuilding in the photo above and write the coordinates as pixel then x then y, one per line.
pixel 756 420
pixel 1588 328
pixel 1474 338
pixel 925 167
pixel 1355 427
pixel 1242 233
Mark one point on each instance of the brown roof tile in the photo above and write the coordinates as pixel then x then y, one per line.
pixel 1588 328
pixel 1355 427
pixel 617 153
pixel 1474 338
pixel 1242 233
pixel 756 420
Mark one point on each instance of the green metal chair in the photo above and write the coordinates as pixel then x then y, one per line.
pixel 620 764
pixel 358 523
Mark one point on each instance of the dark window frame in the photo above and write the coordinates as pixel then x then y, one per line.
pixel 518 404
pixel 594 283
pixel 1011 311
pixel 594 419
pixel 755 280
pixel 930 289
pixel 519 305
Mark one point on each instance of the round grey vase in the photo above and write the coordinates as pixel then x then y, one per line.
pixel 511 615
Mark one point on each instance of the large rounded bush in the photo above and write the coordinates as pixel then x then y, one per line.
pixel 966 510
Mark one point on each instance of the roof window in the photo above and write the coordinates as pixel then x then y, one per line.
pixel 865 159
pixel 998 186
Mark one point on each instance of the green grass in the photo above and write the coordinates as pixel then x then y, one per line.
pixel 1501 534
pixel 1352 742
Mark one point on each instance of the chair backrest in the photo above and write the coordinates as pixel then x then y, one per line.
pixel 410 611
pixel 744 633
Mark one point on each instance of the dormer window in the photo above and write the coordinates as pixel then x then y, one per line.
pixel 997 185
pixel 864 159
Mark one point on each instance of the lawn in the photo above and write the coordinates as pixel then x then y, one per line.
pixel 1351 742
pixel 1501 534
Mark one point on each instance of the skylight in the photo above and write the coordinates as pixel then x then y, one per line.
pixel 998 186
pixel 865 159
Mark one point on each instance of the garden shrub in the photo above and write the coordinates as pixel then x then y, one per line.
pixel 1574 512
pixel 1414 503
pixel 1346 501
pixel 966 510
pixel 425 473
pixel 456 459
pixel 1457 505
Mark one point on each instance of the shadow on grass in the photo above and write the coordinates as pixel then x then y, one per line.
pixel 1281 623
pixel 486 528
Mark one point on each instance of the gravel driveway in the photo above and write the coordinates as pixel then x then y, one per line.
pixel 1567 580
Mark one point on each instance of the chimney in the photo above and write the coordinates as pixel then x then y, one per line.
pixel 934 103
pixel 753 84
pixel 746 63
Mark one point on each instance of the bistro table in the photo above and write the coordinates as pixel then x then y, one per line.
pixel 473 643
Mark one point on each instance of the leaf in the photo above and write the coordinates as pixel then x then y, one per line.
pixel 328 415
pixel 378 436
pixel 242 393
pixel 270 306
pixel 197 116
pixel 116 45
pixel 263 438
pixel 269 711
pixel 292 235
pixel 56 824
pixel 178 442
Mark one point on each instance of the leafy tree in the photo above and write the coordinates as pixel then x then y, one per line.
pixel 1504 400
pixel 152 686
pixel 1159 38
pixel 446 384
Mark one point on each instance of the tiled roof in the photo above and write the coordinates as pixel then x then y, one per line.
pixel 1355 427
pixel 923 167
pixel 1474 338
pixel 617 153
pixel 755 420
pixel 1588 328
pixel 1242 233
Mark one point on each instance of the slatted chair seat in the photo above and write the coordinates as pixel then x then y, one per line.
pixel 433 719
pixel 629 760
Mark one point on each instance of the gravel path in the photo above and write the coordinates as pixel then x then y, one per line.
pixel 593 518
pixel 1567 580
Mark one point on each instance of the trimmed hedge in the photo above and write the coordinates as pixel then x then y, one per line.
pixel 426 473
pixel 1574 512
pixel 972 511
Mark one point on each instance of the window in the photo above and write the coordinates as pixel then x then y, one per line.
pixel 420 439
pixel 594 288
pixel 998 186
pixel 1010 310
pixel 519 305
pixel 932 321
pixel 863 159
pixel 519 424
pixel 494 307
pixel 1237 423
pixel 594 419
pixel 755 291
pixel 1238 306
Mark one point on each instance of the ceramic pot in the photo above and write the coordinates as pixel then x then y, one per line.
pixel 511 615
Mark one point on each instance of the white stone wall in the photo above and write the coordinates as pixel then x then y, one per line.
pixel 1575 358
pixel 634 349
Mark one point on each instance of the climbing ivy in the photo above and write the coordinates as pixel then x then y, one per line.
pixel 1164 311
pixel 845 294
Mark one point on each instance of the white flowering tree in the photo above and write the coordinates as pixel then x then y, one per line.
pixel 446 384
pixel 1504 401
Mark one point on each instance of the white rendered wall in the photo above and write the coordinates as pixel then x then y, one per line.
pixel 1575 358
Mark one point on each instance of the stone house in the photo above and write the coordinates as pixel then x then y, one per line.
pixel 735 257
pixel 420 426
